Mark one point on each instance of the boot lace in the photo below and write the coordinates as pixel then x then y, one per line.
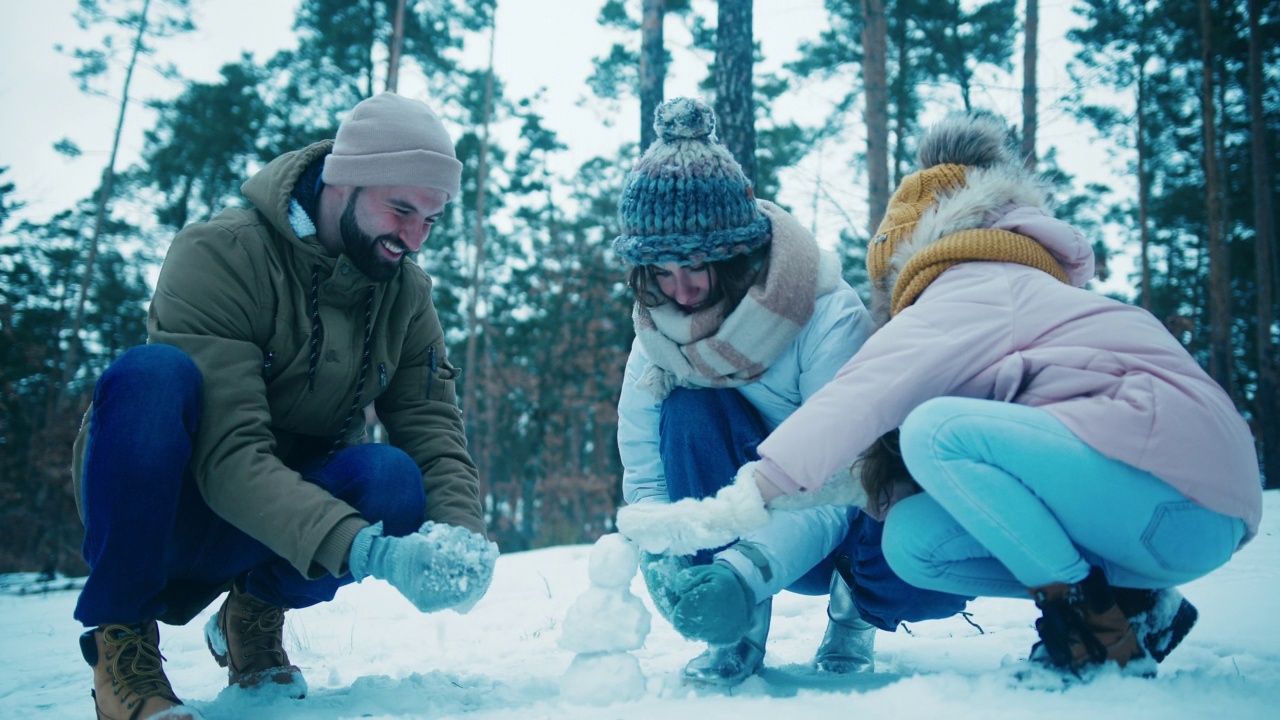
pixel 135 664
pixel 261 632
pixel 1062 625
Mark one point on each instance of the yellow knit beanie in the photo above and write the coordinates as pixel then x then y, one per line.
pixel 915 194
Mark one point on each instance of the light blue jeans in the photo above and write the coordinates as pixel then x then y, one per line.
pixel 1013 500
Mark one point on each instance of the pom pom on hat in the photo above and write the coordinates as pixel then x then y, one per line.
pixel 687 200
pixel 684 119
pixel 389 139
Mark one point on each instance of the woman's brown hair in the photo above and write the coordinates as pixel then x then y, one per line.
pixel 880 468
pixel 734 277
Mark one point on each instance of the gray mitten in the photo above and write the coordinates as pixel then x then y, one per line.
pixel 713 604
pixel 659 573
pixel 439 566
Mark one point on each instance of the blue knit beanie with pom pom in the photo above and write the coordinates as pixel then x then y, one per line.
pixel 686 200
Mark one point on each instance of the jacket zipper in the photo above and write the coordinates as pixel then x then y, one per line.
pixel 431 360
pixel 382 375
pixel 266 363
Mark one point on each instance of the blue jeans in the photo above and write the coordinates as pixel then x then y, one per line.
pixel 706 435
pixel 154 548
pixel 1014 500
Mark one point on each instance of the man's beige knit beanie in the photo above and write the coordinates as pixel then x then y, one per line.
pixel 389 139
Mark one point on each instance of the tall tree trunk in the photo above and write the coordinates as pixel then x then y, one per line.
pixel 100 219
pixel 653 67
pixel 396 45
pixel 735 105
pixel 1144 178
pixel 1030 53
pixel 367 59
pixel 899 94
pixel 477 269
pixel 874 74
pixel 1219 259
pixel 1267 395
pixel 963 77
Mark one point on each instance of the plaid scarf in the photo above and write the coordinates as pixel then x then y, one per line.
pixel 708 349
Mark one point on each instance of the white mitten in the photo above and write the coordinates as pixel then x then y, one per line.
pixel 687 526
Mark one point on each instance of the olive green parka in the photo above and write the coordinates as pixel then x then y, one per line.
pixel 237 293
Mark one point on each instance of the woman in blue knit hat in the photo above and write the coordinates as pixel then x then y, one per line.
pixel 739 318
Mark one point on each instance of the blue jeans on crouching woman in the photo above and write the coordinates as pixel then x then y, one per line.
pixel 154 548
pixel 707 434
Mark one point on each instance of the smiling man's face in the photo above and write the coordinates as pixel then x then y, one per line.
pixel 381 225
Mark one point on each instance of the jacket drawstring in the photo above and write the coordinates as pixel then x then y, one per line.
pixel 364 370
pixel 315 328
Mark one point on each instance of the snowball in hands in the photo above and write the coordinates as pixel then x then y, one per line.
pixel 659 573
pixel 439 566
pixel 687 526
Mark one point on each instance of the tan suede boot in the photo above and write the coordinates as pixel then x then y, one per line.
pixel 128 675
pixel 246 637
pixel 1082 625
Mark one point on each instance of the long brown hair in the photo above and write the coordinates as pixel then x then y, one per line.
pixel 880 468
pixel 734 277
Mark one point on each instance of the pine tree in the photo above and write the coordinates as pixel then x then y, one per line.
pixel 1030 56
pixel 735 83
pixel 141 25
pixel 652 67
pixel 204 143
pixel 1267 394
pixel 925 43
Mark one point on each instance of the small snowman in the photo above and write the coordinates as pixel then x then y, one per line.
pixel 603 626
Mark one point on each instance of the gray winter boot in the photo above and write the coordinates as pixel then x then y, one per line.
pixel 849 643
pixel 729 665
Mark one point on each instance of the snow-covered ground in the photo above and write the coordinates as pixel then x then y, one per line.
pixel 369 654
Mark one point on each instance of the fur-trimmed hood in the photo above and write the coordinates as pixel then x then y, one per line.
pixel 997 191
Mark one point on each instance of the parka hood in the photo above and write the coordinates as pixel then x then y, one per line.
pixel 271 190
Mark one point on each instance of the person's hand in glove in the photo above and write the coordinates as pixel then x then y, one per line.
pixel 440 566
pixel 713 604
pixel 660 573
pixel 689 525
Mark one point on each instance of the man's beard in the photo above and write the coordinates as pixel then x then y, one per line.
pixel 362 248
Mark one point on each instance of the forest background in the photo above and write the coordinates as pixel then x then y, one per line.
pixel 1168 161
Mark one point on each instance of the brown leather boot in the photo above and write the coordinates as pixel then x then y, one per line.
pixel 1082 625
pixel 128 676
pixel 246 637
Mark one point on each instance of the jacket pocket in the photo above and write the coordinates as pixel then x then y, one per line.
pixel 1190 540
pixel 441 378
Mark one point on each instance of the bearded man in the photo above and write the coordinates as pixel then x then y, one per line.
pixel 228 455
